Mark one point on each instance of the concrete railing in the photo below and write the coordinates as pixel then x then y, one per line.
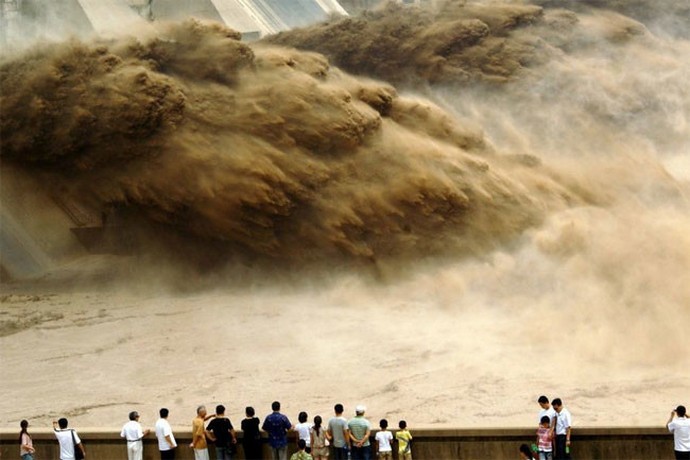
pixel 429 444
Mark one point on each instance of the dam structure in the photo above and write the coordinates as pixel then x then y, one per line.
pixel 24 20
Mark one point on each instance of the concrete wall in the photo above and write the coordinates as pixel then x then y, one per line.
pixel 429 444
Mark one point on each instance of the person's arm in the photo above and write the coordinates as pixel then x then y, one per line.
pixel 366 436
pixel 210 435
pixel 81 447
pixel 170 442
pixel 209 417
pixel 346 431
pixel 567 436
pixel 233 435
pixel 670 418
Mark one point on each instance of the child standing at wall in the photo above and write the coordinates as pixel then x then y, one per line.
pixel 404 439
pixel 384 439
pixel 545 438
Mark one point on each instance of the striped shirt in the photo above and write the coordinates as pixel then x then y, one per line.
pixel 545 439
pixel 358 427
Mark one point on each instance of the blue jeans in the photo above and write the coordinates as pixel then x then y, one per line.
pixel 361 453
pixel 28 457
pixel 223 453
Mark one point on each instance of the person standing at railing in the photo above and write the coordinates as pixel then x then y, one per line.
pixel 360 430
pixel 166 439
pixel 679 424
pixel 26 444
pixel 563 428
pixel 339 433
pixel 70 444
pixel 134 435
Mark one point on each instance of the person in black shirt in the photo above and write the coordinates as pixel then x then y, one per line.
pixel 221 432
pixel 252 436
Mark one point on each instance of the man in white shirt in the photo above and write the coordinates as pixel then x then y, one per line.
pixel 563 425
pixel 134 435
pixel 67 440
pixel 166 440
pixel 546 409
pixel 679 425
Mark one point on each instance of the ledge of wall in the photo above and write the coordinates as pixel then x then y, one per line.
pixel 605 443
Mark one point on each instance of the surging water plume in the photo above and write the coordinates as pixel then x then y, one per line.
pixel 263 151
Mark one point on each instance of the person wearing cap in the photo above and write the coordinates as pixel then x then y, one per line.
pixel 679 424
pixel 134 436
pixel 360 430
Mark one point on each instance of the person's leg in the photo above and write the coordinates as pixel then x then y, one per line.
pixel 366 453
pixel 274 454
pixel 138 450
pixel 282 453
pixel 560 447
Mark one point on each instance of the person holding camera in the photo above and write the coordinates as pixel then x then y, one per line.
pixel 679 424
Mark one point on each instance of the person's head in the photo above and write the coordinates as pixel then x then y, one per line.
pixel 557 405
pixel 383 424
pixel 62 423
pixel 249 411
pixel 133 415
pixel 24 424
pixel 545 421
pixel 220 409
pixel 338 409
pixel 318 421
pixel 163 412
pixel 302 444
pixel 526 452
pixel 402 424
pixel 275 406
pixel 360 410
pixel 680 411
pixel 543 402
pixel 302 417
pixel 201 411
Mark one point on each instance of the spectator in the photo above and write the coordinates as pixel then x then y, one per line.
pixel 526 452
pixel 545 439
pixel 221 431
pixel 303 429
pixel 26 444
pixel 404 439
pixel 339 433
pixel 134 436
pixel 360 430
pixel 251 442
pixel 277 426
pixel 563 429
pixel 679 424
pixel 68 440
pixel 319 440
pixel 546 409
pixel 384 441
pixel 301 453
pixel 199 434
pixel 166 440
